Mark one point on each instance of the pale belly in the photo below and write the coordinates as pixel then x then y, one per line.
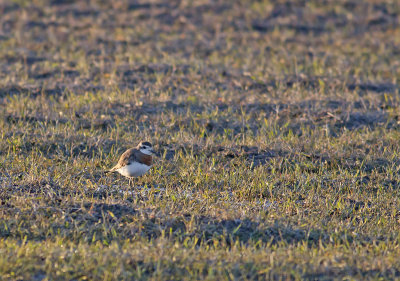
pixel 133 170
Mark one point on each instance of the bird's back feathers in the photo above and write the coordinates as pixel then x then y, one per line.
pixel 130 156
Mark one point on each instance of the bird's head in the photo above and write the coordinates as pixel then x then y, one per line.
pixel 146 148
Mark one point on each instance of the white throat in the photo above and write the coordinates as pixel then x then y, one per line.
pixel 145 151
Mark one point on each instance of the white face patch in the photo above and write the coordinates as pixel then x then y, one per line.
pixel 134 170
pixel 146 151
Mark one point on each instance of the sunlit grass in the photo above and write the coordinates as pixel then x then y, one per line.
pixel 276 126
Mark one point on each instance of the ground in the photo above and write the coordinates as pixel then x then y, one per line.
pixel 276 123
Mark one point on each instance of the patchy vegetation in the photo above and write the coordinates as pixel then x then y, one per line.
pixel 277 124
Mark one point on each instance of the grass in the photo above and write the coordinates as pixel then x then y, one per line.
pixel 277 124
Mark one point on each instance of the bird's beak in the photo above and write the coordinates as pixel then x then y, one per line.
pixel 155 153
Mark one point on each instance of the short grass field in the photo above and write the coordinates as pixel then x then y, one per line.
pixel 276 125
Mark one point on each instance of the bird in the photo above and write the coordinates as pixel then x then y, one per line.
pixel 135 162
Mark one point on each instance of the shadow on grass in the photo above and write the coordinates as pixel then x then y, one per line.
pixel 297 119
pixel 211 229
pixel 90 222
pixel 339 273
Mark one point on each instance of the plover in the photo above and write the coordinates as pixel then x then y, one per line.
pixel 135 162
